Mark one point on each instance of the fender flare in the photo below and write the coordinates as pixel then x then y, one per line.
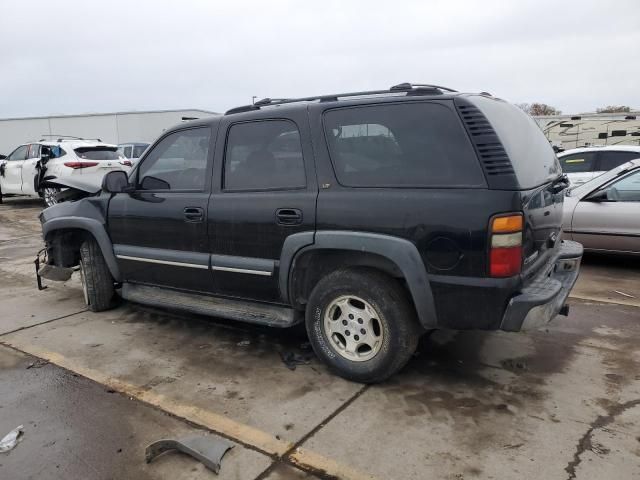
pixel 400 251
pixel 95 228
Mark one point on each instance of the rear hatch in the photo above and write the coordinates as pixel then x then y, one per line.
pixel 105 157
pixel 521 159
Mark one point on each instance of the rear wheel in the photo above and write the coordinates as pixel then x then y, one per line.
pixel 96 279
pixel 50 195
pixel 362 325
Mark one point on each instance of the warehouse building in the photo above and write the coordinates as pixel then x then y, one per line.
pixel 591 129
pixel 120 127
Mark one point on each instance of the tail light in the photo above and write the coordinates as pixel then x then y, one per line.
pixel 505 254
pixel 76 165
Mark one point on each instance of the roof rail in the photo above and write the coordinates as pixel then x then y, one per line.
pixel 408 88
pixel 62 138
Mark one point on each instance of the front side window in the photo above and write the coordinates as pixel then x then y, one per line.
pixel 19 153
pixel 401 145
pixel 578 162
pixel 178 162
pixel 611 160
pixel 626 189
pixel 264 155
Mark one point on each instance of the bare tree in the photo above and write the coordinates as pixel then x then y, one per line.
pixel 537 109
pixel 614 109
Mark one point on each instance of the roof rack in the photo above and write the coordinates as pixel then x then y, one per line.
pixel 408 88
pixel 62 138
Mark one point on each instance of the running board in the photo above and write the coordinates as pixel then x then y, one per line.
pixel 243 311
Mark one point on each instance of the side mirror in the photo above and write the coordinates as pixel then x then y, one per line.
pixel 153 183
pixel 115 182
pixel 599 196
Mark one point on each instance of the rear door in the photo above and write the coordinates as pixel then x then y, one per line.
pixel 159 231
pixel 264 191
pixel 12 171
pixel 613 223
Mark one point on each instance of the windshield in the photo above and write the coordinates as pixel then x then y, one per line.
pixel 98 153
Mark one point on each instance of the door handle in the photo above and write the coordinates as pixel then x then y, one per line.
pixel 288 216
pixel 193 214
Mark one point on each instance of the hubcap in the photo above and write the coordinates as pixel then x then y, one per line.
pixel 50 196
pixel 353 328
pixel 83 281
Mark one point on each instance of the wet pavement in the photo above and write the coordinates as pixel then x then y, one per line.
pixel 562 402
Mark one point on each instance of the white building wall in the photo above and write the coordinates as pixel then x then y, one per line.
pixel 109 127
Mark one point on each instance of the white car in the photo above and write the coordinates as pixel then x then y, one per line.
pixel 584 164
pixel 59 170
pixel 133 151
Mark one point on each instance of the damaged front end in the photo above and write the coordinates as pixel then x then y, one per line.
pixel 49 271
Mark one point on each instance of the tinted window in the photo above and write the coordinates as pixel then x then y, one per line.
pixel 98 153
pixel 138 150
pixel 609 160
pixel 178 162
pixel 55 151
pixel 264 155
pixel 531 155
pixel 34 151
pixel 401 145
pixel 19 153
pixel 626 190
pixel 127 152
pixel 578 162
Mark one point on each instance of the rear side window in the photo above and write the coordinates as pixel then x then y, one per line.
pixel 610 160
pixel 533 159
pixel 34 151
pixel 578 162
pixel 401 145
pixel 264 155
pixel 98 153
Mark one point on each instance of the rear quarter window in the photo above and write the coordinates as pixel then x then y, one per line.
pixel 532 157
pixel 401 145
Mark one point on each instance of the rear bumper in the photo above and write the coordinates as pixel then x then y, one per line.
pixel 540 301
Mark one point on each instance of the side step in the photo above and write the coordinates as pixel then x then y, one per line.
pixel 243 311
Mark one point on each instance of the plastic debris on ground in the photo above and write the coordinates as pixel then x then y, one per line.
pixel 11 439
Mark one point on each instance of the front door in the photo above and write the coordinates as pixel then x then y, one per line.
pixel 30 171
pixel 264 191
pixel 612 223
pixel 11 175
pixel 159 231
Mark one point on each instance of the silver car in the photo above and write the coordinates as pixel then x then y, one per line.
pixel 604 214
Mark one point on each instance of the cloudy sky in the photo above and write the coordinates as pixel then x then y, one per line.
pixel 73 57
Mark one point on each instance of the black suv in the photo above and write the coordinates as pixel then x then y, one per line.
pixel 371 216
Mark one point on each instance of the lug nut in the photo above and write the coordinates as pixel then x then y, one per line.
pixel 356 338
pixel 344 322
pixel 360 321
pixel 351 316
pixel 347 333
pixel 363 331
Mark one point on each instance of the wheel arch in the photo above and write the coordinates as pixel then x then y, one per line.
pixel 318 255
pixel 66 225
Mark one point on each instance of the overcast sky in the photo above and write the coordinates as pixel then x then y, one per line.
pixel 67 57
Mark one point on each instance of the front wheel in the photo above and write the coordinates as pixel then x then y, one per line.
pixel 50 195
pixel 95 277
pixel 362 324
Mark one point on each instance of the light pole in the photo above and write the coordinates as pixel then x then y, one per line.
pixel 253 99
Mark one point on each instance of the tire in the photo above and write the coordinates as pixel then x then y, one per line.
pixel 367 349
pixel 96 279
pixel 49 195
